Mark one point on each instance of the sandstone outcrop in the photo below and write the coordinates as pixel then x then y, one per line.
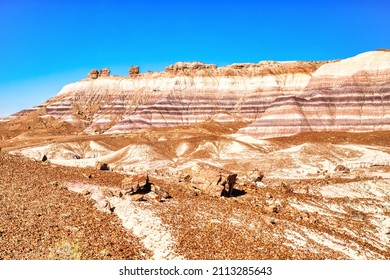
pixel 105 72
pixel 136 184
pixel 94 74
pixel 134 71
pixel 273 98
pixel 139 188
pixel 211 180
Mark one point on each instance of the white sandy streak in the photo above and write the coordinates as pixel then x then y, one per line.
pixel 142 222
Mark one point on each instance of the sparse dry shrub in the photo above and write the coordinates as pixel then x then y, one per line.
pixel 65 250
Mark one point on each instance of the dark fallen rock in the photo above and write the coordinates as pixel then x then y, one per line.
pixel 44 158
pixel 109 207
pixel 102 166
pixel 187 178
pixel 229 184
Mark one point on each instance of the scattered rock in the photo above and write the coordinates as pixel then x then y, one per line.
pixel 255 176
pixel 211 180
pixel 117 193
pixel 107 193
pixel 187 178
pixel 55 184
pixel 313 220
pixel 137 197
pixel 89 176
pixel 272 208
pixel 270 220
pixel 85 192
pixel 341 168
pixel 136 184
pixel 109 207
pixel 287 188
pixel 229 184
pixel 260 184
pixel 160 192
pixel 102 166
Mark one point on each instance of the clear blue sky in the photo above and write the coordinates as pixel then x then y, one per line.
pixel 47 44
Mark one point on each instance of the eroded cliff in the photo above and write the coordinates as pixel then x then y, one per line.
pixel 271 98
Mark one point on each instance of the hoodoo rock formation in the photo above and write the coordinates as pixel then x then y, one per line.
pixel 271 98
pixel 134 71
pixel 94 74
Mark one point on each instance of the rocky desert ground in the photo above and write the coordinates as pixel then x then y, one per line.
pixel 164 194
pixel 268 160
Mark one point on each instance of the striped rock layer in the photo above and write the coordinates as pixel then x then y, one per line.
pixel 274 98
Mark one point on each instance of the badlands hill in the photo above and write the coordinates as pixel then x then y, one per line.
pixel 248 161
pixel 269 99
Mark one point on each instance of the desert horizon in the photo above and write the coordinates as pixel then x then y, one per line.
pixel 274 160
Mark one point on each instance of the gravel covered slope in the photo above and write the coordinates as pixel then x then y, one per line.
pixel 42 220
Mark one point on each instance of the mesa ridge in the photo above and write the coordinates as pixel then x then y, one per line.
pixel 274 99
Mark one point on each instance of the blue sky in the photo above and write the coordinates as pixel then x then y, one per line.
pixel 46 44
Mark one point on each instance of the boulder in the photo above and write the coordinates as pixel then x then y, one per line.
pixel 134 71
pixel 93 74
pixel 211 180
pixel 102 166
pixel 136 184
pixel 341 168
pixel 255 176
pixel 105 72
pixel 160 192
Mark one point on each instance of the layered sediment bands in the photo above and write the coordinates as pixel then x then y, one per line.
pixel 275 99
pixel 350 95
pixel 123 104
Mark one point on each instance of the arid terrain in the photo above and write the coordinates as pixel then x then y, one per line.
pixel 300 209
pixel 248 161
